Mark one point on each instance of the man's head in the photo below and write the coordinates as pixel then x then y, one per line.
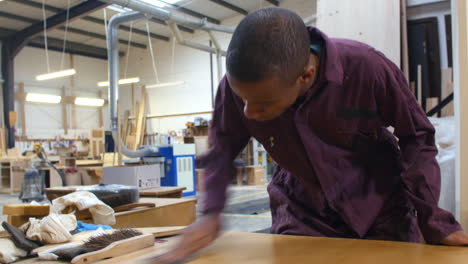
pixel 269 62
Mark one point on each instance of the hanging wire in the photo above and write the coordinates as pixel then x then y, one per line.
pixel 44 17
pixel 173 54
pixel 105 26
pixel 152 53
pixel 62 60
pixel 128 49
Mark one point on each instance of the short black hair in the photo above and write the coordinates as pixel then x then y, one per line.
pixel 268 42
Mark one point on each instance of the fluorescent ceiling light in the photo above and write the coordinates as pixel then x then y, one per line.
pixel 54 75
pixel 162 3
pixel 118 8
pixel 158 85
pixel 121 81
pixel 89 101
pixel 43 98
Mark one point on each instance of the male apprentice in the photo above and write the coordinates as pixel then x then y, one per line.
pixel 321 108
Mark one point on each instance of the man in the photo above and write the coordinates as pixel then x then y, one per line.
pixel 321 108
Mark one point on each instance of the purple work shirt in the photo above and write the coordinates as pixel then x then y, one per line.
pixel 340 173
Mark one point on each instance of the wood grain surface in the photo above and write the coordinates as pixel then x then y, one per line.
pixel 252 248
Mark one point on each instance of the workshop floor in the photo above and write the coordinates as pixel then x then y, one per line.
pixel 247 209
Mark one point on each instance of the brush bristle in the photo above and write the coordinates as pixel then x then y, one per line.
pixel 100 242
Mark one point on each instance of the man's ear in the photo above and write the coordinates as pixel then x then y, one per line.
pixel 309 71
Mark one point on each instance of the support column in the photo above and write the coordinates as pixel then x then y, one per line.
pixel 8 91
pixel 460 63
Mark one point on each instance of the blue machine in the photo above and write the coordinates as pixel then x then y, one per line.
pixel 179 166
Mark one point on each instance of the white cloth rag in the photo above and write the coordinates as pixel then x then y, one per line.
pixel 52 229
pixel 9 252
pixel 101 212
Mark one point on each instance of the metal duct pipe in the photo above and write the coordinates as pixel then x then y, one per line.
pixel 156 12
pixel 147 10
pixel 180 39
pixel 113 57
pixel 219 53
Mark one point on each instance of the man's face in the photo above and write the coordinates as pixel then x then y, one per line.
pixel 267 99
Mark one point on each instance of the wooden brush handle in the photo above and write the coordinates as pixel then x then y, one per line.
pixel 116 249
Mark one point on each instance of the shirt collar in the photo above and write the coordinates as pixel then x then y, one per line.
pixel 331 68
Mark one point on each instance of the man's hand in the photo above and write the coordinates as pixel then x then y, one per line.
pixel 196 237
pixel 459 238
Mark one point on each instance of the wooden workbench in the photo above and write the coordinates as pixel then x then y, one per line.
pixel 252 248
pixel 157 192
pixel 166 212
pixel 163 192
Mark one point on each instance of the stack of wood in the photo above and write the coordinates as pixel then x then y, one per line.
pixel 96 142
pixel 133 131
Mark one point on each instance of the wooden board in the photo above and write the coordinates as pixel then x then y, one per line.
pixel 26 209
pixel 404 39
pixel 419 85
pixel 460 55
pixel 168 212
pixel 447 89
pixel 84 163
pixel 375 22
pixel 163 192
pixel 140 120
pixel 431 103
pixel 96 142
pixel 250 248
pixel 3 144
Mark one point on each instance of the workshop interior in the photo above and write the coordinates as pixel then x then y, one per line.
pixel 123 126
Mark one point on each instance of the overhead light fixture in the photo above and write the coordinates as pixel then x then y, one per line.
pixel 43 98
pixel 54 75
pixel 159 85
pixel 122 81
pixel 161 3
pixel 117 8
pixel 89 101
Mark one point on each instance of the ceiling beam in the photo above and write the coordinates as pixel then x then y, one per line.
pixel 38 5
pixel 273 2
pixel 127 28
pixel 231 6
pixel 71 47
pixel 194 13
pixel 70 29
pixel 94 19
pixel 162 22
pixel 57 45
pixel 5 32
pixel 103 37
pixel 18 17
pixel 20 39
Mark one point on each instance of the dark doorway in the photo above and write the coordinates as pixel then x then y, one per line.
pixel 448 35
pixel 423 49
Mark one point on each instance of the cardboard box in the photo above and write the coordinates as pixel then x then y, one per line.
pixel 255 175
pixel 144 177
